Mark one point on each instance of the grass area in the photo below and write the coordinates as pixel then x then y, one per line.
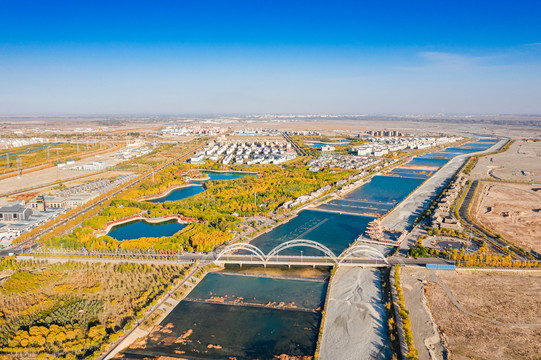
pixel 72 310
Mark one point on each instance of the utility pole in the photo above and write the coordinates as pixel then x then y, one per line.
pixel 19 165
pixel 48 153
pixel 255 198
pixel 7 157
pixel 77 148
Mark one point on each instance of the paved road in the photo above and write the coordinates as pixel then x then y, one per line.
pixel 157 259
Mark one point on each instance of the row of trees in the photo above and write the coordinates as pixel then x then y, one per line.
pixel 404 314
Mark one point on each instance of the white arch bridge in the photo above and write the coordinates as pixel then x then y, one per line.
pixel 356 255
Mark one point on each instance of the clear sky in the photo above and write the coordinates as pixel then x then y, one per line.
pixel 272 56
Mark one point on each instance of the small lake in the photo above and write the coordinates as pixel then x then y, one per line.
pixel 141 228
pixel 188 191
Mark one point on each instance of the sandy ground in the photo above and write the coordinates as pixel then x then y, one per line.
pixel 355 324
pixel 402 216
pixel 425 334
pixel 509 297
pixel 521 156
pixel 512 210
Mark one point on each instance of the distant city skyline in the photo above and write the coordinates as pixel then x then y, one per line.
pixel 254 57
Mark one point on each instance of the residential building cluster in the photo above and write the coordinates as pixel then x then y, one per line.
pixel 245 152
pixel 303 133
pixel 192 130
pixel 8 143
pixel 442 217
pixel 342 161
pixel 383 146
pixel 384 133
pixel 255 132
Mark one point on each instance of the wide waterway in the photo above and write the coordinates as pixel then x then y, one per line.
pixel 236 316
pixel 197 187
pixel 231 316
pixel 335 231
pixel 377 197
pixel 141 228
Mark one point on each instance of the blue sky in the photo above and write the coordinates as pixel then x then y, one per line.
pixel 344 57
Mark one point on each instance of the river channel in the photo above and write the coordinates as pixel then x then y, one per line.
pixel 229 316
pixel 234 316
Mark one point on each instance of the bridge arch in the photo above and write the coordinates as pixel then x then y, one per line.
pixel 242 246
pixel 352 251
pixel 301 243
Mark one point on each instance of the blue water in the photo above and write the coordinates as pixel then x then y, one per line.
pixel 140 228
pixel 180 194
pixel 335 231
pixel 241 289
pixel 186 192
pixel 244 326
pixel 386 189
pixel 199 330
pixel 427 161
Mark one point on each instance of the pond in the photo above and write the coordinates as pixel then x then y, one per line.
pixel 141 228
pixel 197 187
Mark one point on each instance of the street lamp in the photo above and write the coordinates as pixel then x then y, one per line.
pixel 301 256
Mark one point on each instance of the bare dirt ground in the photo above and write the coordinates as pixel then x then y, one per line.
pixel 512 210
pixel 508 297
pixel 522 161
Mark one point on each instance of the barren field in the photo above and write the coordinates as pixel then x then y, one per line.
pixel 521 162
pixel 512 210
pixel 508 297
